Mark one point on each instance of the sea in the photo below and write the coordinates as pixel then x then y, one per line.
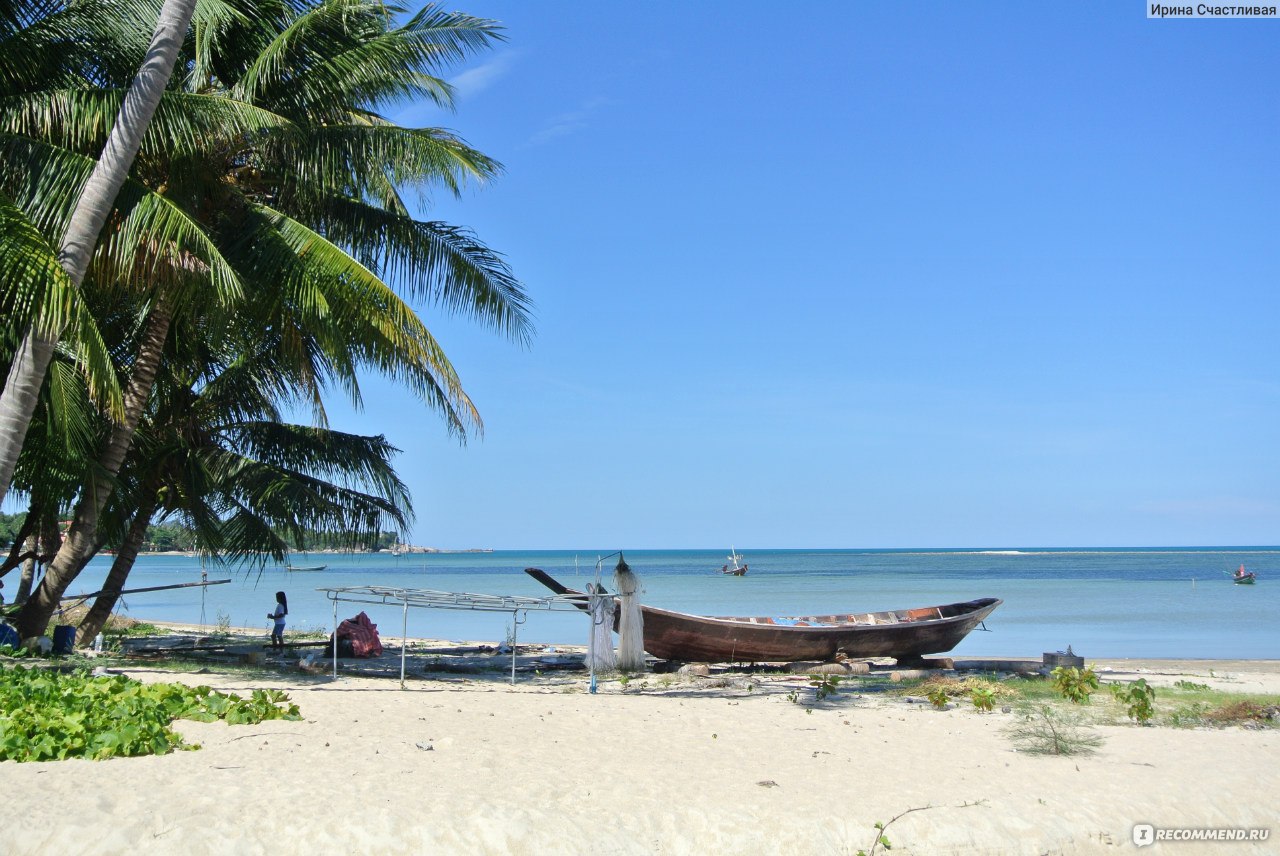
pixel 1140 602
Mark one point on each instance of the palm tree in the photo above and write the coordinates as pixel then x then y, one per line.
pixel 292 183
pixel 249 487
pixel 31 362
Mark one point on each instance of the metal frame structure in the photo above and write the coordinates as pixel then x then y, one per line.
pixel 431 599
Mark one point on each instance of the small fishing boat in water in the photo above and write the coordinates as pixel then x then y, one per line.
pixel 1243 578
pixel 905 634
pixel 300 568
pixel 736 566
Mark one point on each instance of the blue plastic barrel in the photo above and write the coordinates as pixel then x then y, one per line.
pixel 9 636
pixel 64 639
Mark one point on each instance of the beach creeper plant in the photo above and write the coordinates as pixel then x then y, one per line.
pixel 1075 685
pixel 48 716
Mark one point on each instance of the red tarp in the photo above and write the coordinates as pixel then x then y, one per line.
pixel 363 634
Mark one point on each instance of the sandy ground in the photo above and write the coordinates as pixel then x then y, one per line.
pixel 685 766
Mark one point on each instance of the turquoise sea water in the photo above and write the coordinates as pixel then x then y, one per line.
pixel 1103 602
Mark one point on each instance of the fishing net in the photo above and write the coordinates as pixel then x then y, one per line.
pixel 600 648
pixel 630 620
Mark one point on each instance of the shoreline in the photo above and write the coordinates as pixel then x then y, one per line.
pixel 1180 662
pixel 1227 674
pixel 669 764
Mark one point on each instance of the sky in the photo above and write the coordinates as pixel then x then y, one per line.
pixel 862 275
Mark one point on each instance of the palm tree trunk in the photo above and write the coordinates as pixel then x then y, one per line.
pixel 28 575
pixel 81 542
pixel 22 387
pixel 18 399
pixel 105 603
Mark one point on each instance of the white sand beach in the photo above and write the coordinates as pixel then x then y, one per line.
pixel 678 765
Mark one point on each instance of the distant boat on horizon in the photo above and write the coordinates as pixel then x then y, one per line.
pixel 300 568
pixel 1243 577
pixel 735 566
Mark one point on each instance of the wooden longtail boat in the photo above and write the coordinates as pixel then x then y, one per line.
pixel 299 568
pixel 902 633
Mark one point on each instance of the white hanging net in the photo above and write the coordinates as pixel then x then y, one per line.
pixel 630 621
pixel 600 647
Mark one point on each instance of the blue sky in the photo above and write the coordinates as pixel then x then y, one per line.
pixel 863 275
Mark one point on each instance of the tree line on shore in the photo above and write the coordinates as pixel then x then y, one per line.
pixel 176 536
pixel 205 228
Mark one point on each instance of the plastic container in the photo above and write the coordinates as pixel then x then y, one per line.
pixel 64 639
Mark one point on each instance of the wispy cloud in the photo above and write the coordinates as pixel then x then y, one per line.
pixel 466 85
pixel 568 123
pixel 473 81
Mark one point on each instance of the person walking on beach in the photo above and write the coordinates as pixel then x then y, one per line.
pixel 277 632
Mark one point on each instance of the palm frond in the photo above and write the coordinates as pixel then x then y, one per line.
pixel 363 61
pixel 184 122
pixel 358 158
pixel 34 289
pixel 145 229
pixel 212 21
pixel 340 458
pixel 372 326
pixel 324 24
pixel 435 261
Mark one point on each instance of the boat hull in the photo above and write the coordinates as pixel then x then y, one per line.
pixel 902 634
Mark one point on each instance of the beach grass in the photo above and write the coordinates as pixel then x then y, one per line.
pixel 1187 704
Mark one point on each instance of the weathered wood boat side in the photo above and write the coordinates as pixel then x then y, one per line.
pixel 904 633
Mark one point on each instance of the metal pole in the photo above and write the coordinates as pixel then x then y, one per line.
pixel 515 632
pixel 335 637
pixel 404 640
pixel 592 602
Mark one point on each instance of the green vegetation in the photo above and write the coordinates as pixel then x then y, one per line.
pixel 881 839
pixel 46 715
pixel 1074 684
pixel 1138 699
pixel 138 628
pixel 1184 705
pixel 9 526
pixel 824 685
pixel 177 536
pixel 1192 705
pixel 1244 712
pixel 169 536
pixel 939 689
pixel 983 699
